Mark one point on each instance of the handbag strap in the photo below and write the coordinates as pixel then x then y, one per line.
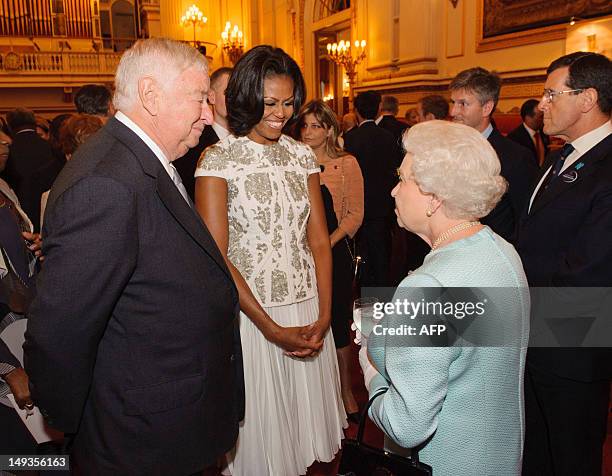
pixel 351 250
pixel 343 210
pixel 414 453
pixel 364 415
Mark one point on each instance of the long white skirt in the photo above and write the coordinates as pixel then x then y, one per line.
pixel 294 413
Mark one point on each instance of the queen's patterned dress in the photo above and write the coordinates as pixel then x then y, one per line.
pixel 294 413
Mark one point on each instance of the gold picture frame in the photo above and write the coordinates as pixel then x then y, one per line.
pixel 521 22
pixel 508 40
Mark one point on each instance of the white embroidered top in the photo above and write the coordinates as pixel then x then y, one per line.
pixel 268 209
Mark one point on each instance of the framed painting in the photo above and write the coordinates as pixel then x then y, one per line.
pixel 506 23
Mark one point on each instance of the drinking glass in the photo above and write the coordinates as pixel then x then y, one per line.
pixel 363 315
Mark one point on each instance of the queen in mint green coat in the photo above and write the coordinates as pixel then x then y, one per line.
pixel 456 396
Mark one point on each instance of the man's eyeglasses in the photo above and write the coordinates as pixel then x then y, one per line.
pixel 550 94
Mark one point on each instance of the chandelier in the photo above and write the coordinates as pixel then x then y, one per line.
pixel 343 55
pixel 233 42
pixel 195 17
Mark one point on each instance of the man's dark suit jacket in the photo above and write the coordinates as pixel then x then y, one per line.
pixel 522 137
pixel 30 171
pixel 187 164
pixel 566 241
pixel 132 341
pixel 518 168
pixel 394 126
pixel 378 157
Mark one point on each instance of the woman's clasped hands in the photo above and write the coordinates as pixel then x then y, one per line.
pixel 302 341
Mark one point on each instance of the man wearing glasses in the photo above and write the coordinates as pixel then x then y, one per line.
pixel 565 242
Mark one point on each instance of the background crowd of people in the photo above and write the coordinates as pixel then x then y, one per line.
pixel 185 256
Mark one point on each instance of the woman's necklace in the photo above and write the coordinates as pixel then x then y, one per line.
pixel 451 231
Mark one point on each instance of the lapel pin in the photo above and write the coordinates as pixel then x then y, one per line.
pixel 569 177
pixel 579 165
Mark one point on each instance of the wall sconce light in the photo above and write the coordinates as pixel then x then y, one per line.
pixel 233 42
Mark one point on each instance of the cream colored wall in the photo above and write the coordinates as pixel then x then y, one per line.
pixel 519 60
pixel 276 25
pixel 415 47
pixel 436 41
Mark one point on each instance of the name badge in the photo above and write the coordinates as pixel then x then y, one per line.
pixel 569 177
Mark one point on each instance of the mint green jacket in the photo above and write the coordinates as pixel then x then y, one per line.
pixel 463 402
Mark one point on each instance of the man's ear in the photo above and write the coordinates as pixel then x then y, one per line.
pixel 211 97
pixel 487 108
pixel 588 100
pixel 429 116
pixel 149 94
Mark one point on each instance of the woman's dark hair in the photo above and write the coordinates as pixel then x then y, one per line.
pixel 244 96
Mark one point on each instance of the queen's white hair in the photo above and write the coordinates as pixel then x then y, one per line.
pixel 160 58
pixel 456 164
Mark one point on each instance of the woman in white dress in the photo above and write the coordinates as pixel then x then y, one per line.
pixel 258 192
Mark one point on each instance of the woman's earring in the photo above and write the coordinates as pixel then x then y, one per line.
pixel 429 213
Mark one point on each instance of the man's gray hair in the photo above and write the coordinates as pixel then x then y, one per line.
pixel 485 85
pixel 160 58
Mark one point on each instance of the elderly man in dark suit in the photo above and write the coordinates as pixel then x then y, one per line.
pixel 565 243
pixel 212 134
pixel 474 96
pixel 378 156
pixel 132 343
pixel 529 134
